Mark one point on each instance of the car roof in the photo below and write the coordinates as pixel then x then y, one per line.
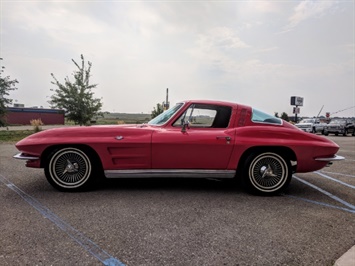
pixel 232 104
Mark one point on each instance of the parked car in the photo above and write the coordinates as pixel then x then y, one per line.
pixel 199 139
pixel 311 125
pixel 340 126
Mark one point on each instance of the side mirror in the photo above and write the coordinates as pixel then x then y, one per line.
pixel 185 125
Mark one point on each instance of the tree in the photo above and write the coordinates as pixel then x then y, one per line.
pixel 76 98
pixel 6 85
pixel 284 116
pixel 157 111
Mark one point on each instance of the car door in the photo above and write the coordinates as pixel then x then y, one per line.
pixel 206 143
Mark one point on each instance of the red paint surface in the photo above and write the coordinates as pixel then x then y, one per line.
pixel 167 147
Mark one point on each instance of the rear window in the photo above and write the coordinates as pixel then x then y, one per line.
pixel 261 117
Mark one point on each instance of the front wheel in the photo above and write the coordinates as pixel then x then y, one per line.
pixel 267 173
pixel 69 169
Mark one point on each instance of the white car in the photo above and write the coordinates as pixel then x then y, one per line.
pixel 311 125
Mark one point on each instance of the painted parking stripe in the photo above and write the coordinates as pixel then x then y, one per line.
pixel 321 203
pixel 337 173
pixel 335 180
pixel 77 236
pixel 326 193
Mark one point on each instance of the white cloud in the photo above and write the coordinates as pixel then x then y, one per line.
pixel 309 9
pixel 221 37
pixel 216 50
pixel 264 6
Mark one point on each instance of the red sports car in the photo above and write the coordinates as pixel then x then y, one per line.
pixel 192 139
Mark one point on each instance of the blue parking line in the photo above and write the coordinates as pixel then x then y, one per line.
pixel 335 180
pixel 321 203
pixel 77 236
pixel 352 207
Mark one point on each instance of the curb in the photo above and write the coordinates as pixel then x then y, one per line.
pixel 348 259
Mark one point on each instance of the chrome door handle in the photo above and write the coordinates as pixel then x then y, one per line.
pixel 224 137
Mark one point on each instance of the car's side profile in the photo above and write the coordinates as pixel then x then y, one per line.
pixel 198 139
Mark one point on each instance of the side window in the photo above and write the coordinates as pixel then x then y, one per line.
pixel 261 117
pixel 205 116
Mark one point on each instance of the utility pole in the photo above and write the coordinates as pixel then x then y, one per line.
pixel 166 104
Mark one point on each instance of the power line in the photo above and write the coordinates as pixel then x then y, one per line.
pixel 342 110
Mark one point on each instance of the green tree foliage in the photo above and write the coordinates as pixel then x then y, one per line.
pixel 6 85
pixel 157 111
pixel 76 98
pixel 284 116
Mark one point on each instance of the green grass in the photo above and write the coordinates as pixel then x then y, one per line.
pixel 14 135
pixel 117 118
pixel 114 118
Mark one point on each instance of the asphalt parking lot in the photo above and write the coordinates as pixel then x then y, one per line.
pixel 176 221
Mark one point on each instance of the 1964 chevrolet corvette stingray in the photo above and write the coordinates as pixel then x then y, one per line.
pixel 192 139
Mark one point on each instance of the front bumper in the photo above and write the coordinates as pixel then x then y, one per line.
pixel 31 160
pixel 22 156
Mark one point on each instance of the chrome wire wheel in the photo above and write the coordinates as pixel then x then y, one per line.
pixel 268 172
pixel 69 168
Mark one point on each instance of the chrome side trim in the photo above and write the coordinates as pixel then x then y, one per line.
pixel 334 158
pixel 20 156
pixel 178 173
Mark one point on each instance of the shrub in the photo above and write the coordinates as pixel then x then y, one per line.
pixel 36 123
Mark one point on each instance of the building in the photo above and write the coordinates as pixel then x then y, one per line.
pixel 23 116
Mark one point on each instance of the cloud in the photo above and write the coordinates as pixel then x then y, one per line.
pixel 309 9
pixel 264 6
pixel 225 50
pixel 221 37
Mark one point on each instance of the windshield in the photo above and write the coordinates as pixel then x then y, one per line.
pixel 165 116
pixel 261 117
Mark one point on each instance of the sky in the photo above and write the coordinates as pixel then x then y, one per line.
pixel 258 53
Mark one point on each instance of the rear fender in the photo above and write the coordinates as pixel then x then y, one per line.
pixel 285 152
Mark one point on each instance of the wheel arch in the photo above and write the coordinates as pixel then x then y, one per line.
pixel 85 148
pixel 285 152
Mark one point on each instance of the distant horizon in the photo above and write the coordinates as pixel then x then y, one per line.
pixel 141 113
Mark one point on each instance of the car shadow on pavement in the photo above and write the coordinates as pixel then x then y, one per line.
pixel 171 184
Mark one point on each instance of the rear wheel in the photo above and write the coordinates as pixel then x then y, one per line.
pixel 267 173
pixel 69 169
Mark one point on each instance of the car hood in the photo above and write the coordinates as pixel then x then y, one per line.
pixel 336 124
pixel 83 133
